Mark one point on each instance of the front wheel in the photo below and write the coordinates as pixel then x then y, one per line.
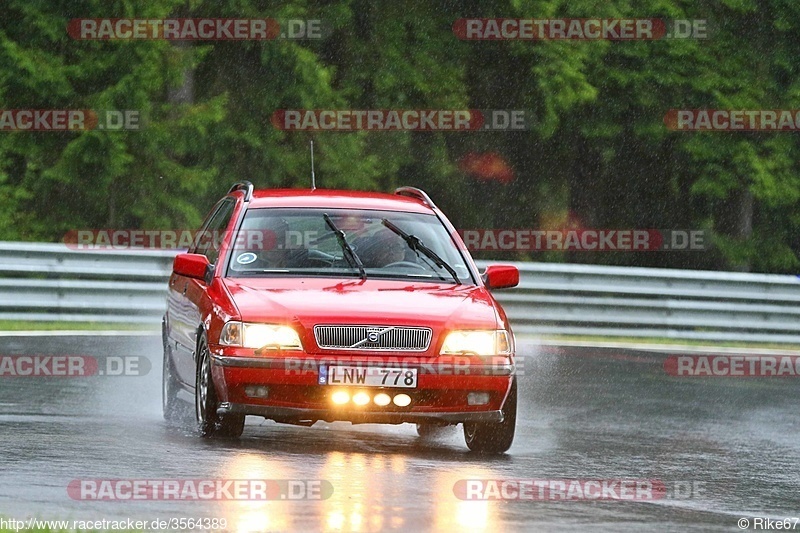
pixel 209 422
pixel 494 437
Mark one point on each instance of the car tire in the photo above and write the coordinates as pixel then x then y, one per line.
pixel 170 404
pixel 209 422
pixel 494 437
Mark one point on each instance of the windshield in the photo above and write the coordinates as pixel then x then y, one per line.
pixel 301 242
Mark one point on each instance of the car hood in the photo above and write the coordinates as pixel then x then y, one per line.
pixel 312 301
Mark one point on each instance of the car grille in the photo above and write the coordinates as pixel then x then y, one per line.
pixel 404 338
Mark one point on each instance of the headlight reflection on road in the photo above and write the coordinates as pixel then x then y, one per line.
pixel 452 514
pixel 370 492
pixel 361 492
pixel 263 516
pixel 256 516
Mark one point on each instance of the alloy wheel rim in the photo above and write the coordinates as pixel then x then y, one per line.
pixel 470 431
pixel 202 389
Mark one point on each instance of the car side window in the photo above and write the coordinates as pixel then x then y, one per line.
pixel 214 231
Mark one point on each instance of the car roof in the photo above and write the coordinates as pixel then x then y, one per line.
pixel 336 199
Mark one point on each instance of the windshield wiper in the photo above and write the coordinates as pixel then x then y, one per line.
pixel 349 253
pixel 416 245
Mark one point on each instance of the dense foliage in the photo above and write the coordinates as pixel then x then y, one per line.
pixel 599 152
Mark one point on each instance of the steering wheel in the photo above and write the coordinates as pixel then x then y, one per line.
pixel 406 264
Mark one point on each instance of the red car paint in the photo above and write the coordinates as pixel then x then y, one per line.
pixel 202 301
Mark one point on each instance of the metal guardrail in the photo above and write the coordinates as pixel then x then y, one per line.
pixel 55 283
pixel 570 299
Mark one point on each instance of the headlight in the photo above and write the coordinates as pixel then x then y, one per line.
pixel 488 343
pixel 256 336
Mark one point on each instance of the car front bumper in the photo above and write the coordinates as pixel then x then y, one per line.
pixel 300 415
pixel 295 395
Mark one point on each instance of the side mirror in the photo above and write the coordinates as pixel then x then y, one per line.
pixel 501 276
pixel 192 266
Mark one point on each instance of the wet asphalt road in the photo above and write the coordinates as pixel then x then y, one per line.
pixel 585 413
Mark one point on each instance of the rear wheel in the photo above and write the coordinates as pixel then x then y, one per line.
pixel 209 422
pixel 169 389
pixel 494 437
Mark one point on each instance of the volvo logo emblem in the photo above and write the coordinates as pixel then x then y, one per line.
pixel 373 335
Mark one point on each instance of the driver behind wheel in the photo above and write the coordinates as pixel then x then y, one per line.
pixel 380 249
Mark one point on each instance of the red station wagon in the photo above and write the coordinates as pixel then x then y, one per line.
pixel 307 305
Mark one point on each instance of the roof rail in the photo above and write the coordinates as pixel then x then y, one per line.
pixel 419 194
pixel 245 186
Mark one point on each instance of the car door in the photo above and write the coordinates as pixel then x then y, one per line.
pixel 184 293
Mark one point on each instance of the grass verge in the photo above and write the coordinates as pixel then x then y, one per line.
pixel 24 325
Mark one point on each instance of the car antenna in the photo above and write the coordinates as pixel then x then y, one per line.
pixel 313 177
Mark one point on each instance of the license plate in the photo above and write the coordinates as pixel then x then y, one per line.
pixel 368 376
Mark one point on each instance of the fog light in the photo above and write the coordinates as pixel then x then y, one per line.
pixel 340 397
pixel 402 400
pixel 478 398
pixel 361 398
pixel 256 391
pixel 382 399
